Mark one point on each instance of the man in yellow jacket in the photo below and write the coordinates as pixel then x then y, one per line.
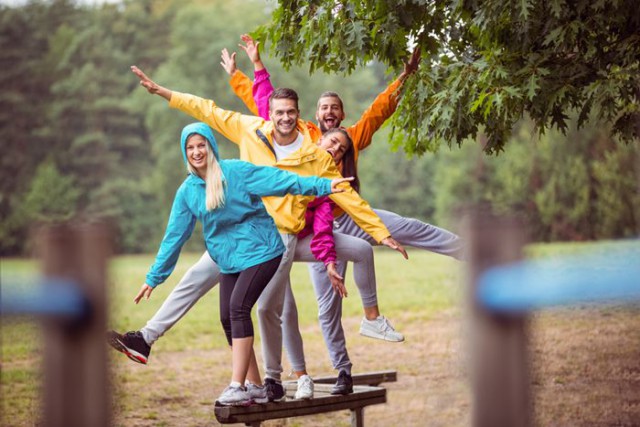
pixel 283 142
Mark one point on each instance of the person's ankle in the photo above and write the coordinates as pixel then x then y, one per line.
pixel 371 313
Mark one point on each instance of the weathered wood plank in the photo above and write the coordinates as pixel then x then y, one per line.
pixel 321 403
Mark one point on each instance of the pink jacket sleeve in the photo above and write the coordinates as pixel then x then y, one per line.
pixel 262 90
pixel 323 246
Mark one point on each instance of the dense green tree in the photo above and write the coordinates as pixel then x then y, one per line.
pixel 486 63
pixel 52 196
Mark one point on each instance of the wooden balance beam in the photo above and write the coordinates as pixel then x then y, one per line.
pixel 366 392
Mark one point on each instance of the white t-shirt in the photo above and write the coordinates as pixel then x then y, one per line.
pixel 284 151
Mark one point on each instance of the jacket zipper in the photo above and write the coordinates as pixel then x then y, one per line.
pixel 266 142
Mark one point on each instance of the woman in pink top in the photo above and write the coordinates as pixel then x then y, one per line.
pixel 319 214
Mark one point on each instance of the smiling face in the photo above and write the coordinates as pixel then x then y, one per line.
pixel 329 113
pixel 335 143
pixel 284 115
pixel 196 148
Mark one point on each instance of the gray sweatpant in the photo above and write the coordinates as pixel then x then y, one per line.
pixel 406 231
pixel 197 281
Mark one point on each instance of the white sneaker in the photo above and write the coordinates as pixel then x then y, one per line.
pixel 257 393
pixel 381 329
pixel 235 396
pixel 305 388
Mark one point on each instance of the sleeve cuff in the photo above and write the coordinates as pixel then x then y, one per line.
pixel 261 75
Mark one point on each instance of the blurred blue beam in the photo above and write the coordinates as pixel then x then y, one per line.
pixel 46 297
pixel 530 285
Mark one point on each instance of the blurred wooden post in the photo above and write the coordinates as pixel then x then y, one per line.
pixel 499 359
pixel 76 391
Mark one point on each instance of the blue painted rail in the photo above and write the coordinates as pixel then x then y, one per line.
pixel 46 296
pixel 528 285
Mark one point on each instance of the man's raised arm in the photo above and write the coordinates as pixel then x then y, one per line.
pixel 382 107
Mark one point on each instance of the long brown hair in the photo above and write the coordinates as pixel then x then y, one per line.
pixel 348 162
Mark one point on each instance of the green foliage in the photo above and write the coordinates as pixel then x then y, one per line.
pixel 52 196
pixel 485 63
pixel 617 207
pixel 578 187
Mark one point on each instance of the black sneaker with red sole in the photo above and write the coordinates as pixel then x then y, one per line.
pixel 132 344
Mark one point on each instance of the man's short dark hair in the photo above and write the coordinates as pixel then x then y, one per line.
pixel 330 94
pixel 284 93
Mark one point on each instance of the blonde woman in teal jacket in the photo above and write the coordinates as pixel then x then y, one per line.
pixel 240 236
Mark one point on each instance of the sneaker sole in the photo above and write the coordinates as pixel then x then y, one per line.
pixel 282 399
pixel 378 337
pixel 303 397
pixel 261 401
pixel 131 354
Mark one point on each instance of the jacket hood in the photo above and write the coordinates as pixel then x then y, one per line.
pixel 201 129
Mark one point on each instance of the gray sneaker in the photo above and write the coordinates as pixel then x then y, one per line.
pixel 257 393
pixel 235 396
pixel 305 388
pixel 381 329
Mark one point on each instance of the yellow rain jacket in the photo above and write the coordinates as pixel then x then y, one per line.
pixel 248 132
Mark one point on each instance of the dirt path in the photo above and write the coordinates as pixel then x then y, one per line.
pixel 586 373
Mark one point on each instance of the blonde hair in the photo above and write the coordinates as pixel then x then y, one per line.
pixel 214 186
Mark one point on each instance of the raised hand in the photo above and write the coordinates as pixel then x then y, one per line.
pixel 390 242
pixel 411 66
pixel 338 181
pixel 250 47
pixel 228 62
pixel 151 86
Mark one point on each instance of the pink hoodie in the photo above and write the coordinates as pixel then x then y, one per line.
pixel 319 214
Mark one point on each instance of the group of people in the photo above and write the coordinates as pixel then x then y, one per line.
pixel 292 197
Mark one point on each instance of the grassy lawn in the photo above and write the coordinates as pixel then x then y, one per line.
pixel 189 366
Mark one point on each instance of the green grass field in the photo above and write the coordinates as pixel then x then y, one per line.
pixel 411 293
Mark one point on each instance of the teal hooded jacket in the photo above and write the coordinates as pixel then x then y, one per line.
pixel 239 234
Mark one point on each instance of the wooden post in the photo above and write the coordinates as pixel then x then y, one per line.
pixel 499 359
pixel 76 391
pixel 357 417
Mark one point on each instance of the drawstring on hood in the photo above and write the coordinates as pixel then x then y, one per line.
pixel 201 129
